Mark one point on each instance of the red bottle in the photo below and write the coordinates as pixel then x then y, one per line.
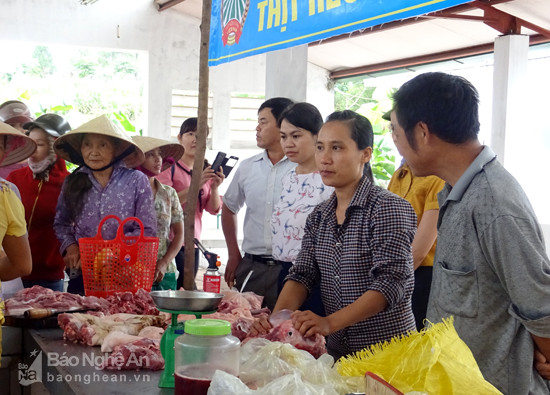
pixel 212 279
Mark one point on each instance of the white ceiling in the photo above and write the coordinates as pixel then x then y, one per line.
pixel 405 40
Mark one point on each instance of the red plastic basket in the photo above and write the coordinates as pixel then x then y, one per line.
pixel 125 263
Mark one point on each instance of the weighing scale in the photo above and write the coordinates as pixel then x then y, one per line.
pixel 174 330
pixel 195 303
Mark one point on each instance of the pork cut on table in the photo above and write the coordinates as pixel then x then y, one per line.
pixel 240 309
pixel 283 331
pixel 234 299
pixel 91 329
pixel 140 354
pixel 38 297
pixel 120 302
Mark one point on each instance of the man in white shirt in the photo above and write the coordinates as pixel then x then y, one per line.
pixel 257 183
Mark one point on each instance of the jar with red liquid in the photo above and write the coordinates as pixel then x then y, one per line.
pixel 206 346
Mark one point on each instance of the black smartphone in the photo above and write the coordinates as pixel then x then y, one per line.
pixel 229 165
pixel 219 161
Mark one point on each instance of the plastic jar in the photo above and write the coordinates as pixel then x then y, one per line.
pixel 206 346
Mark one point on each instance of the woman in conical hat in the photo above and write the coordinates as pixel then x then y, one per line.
pixel 104 184
pixel 14 147
pixel 40 185
pixel 159 156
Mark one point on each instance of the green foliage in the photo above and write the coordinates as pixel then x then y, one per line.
pixel 351 95
pixel 372 103
pixel 126 124
pixel 62 110
pixel 42 65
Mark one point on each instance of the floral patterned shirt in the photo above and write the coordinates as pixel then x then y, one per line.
pixel 168 209
pixel 127 194
pixel 299 196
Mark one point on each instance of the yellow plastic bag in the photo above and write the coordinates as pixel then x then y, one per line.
pixel 435 361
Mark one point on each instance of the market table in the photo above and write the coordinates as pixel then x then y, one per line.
pixel 69 368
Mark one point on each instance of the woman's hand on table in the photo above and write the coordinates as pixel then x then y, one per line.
pixel 309 323
pixel 261 326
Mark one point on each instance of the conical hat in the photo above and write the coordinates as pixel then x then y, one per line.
pixel 68 145
pixel 18 146
pixel 167 148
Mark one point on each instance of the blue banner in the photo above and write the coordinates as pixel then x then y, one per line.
pixel 241 28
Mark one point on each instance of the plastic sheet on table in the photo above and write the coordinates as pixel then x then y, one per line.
pixel 277 368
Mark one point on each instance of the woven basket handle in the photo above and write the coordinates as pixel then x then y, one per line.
pixel 120 233
pixel 98 236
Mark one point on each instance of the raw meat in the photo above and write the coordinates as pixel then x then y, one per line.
pixel 241 319
pixel 240 309
pixel 284 332
pixel 91 329
pixel 120 302
pixel 117 338
pixel 233 299
pixel 140 354
pixel 126 302
pixel 151 332
pixel 40 297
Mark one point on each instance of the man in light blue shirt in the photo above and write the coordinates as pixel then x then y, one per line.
pixel 491 271
pixel 256 183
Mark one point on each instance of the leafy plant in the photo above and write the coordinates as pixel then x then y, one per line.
pixel 371 103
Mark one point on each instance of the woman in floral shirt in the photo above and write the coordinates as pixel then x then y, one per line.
pixel 104 184
pixel 159 156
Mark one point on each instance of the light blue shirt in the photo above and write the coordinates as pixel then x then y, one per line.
pixel 257 183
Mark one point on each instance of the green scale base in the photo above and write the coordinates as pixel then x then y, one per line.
pixel 167 344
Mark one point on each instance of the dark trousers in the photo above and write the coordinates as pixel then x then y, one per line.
pixel 421 294
pixel 179 265
pixel 313 302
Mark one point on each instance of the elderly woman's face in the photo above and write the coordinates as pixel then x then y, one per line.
pixel 42 141
pixel 97 150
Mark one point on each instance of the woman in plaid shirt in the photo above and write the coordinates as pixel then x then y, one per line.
pixel 357 245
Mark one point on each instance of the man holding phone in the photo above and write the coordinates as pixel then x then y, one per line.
pixel 256 183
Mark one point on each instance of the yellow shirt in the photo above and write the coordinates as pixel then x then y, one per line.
pixel 12 221
pixel 421 193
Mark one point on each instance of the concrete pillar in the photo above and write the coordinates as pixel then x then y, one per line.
pixel 286 73
pixel 510 68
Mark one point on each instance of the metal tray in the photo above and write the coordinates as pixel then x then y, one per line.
pixel 186 300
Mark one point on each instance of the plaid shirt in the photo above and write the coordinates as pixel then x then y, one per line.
pixel 371 250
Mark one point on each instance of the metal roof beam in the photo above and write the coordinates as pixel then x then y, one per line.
pixel 425 59
pixel 168 4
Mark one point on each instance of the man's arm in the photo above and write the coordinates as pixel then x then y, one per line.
pixel 229 227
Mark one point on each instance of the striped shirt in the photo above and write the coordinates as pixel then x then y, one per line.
pixel 371 250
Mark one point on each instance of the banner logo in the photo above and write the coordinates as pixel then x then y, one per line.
pixel 233 15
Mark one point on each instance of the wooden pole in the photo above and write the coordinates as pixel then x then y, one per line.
pixel 202 127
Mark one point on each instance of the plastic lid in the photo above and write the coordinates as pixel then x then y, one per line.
pixel 208 327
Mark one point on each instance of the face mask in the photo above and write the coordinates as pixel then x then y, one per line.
pixel 40 166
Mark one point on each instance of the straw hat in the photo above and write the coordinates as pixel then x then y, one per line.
pixel 68 145
pixel 167 148
pixel 18 146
